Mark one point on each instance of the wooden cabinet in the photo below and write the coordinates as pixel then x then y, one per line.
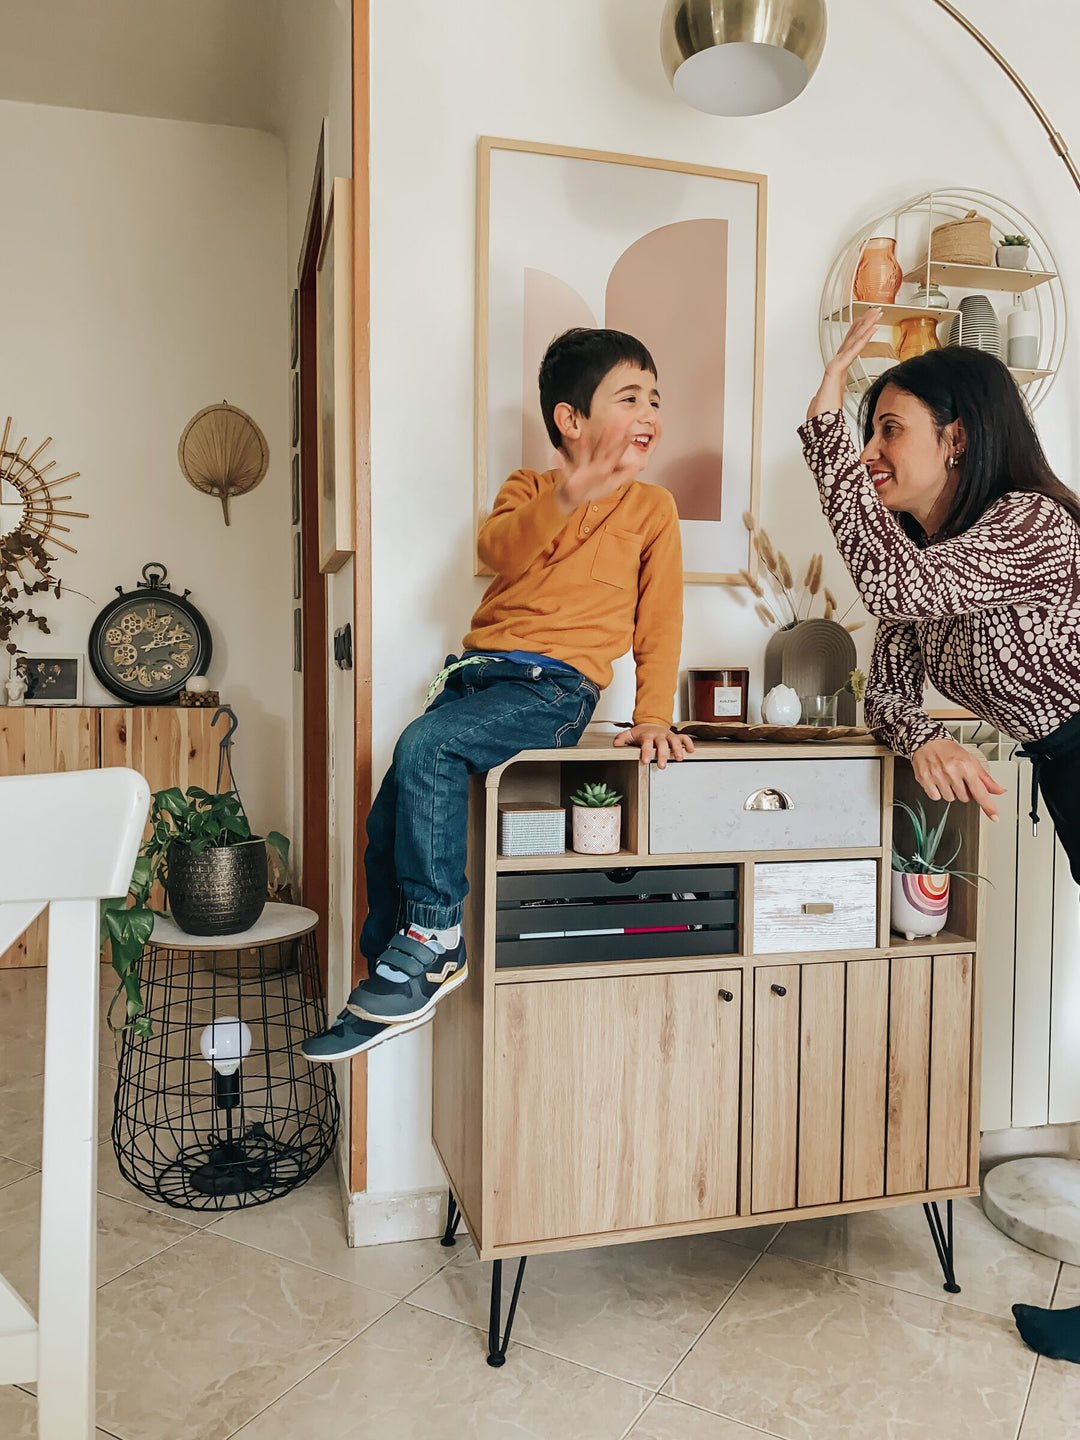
pixel 711 1078
pixel 169 745
pixel 603 1078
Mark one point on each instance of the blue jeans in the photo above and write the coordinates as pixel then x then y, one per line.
pixel 417 827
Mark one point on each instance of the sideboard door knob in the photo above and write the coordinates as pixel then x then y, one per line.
pixel 779 989
pixel 726 995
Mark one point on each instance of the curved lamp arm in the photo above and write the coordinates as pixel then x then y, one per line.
pixel 996 55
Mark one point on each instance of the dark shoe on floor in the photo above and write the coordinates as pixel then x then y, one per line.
pixel 407 982
pixel 349 1036
pixel 1053 1333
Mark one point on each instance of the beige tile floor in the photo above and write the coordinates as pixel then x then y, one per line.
pixel 263 1324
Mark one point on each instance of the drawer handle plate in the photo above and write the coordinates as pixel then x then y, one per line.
pixel 769 798
pixel 818 907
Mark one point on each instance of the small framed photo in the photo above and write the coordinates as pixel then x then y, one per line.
pixel 297 640
pixel 296 487
pixel 297 566
pixel 52 679
pixel 296 407
pixel 294 329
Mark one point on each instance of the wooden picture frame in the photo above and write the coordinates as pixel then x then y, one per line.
pixel 296 487
pixel 298 566
pixel 294 329
pixel 334 384
pixel 298 640
pixel 674 253
pixel 294 414
pixel 52 679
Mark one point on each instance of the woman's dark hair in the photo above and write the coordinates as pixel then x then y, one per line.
pixel 1002 452
pixel 575 363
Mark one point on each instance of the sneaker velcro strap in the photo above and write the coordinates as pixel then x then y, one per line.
pixel 410 955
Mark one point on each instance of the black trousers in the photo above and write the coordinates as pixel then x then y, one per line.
pixel 1055 770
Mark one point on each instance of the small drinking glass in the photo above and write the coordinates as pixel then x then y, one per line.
pixel 819 709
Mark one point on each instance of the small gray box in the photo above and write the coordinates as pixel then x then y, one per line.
pixel 528 827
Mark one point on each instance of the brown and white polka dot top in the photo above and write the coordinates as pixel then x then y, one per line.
pixel 991 616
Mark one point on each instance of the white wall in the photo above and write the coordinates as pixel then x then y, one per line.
pixel 902 101
pixel 142 264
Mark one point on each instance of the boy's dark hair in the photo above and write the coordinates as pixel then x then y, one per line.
pixel 574 365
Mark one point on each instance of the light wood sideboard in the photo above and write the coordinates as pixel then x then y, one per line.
pixel 170 745
pixel 791 1058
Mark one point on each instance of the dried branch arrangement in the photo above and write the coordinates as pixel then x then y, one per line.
pixel 779 600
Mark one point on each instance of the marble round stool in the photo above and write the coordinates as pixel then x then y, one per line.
pixel 218 1109
pixel 1037 1203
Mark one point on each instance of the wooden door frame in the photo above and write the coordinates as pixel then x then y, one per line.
pixel 314 729
pixel 362 787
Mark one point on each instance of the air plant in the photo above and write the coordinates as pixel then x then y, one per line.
pixel 924 859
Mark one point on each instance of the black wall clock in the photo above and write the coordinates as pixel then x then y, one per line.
pixel 145 644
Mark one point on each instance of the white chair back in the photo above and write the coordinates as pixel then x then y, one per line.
pixel 66 841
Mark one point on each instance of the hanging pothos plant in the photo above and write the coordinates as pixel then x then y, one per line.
pixel 20 551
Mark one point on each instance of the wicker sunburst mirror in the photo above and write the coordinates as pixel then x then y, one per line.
pixel 30 528
pixel 222 452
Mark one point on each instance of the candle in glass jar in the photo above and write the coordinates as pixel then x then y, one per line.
pixel 719 695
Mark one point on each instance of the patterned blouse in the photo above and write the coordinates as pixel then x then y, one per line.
pixel 992 616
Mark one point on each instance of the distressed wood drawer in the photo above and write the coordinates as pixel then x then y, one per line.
pixel 815 905
pixel 824 804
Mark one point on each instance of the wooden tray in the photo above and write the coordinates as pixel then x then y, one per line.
pixel 772 734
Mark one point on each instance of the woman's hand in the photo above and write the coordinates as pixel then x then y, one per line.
pixel 946 771
pixel 830 395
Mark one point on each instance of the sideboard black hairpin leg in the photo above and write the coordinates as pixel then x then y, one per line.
pixel 943 1242
pixel 496 1344
pixel 453 1219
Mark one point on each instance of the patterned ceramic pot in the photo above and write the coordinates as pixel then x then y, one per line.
pixel 220 892
pixel 920 904
pixel 597 829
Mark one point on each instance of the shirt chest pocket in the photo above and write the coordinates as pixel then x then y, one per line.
pixel 617 559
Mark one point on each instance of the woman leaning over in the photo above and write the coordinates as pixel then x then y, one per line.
pixel 966 547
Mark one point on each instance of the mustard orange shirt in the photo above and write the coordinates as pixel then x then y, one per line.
pixel 587 587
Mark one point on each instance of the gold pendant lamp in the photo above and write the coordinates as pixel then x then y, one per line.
pixel 741 57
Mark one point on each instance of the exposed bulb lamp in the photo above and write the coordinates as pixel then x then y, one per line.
pixel 230 1170
pixel 747 57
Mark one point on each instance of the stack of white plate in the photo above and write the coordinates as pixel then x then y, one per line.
pixel 977 325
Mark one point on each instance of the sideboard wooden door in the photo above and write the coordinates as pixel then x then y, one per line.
pixel 38 741
pixel 167 744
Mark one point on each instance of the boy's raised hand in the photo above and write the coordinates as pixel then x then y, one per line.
pixel 657 743
pixel 598 470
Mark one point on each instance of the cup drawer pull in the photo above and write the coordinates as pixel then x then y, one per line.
pixel 818 907
pixel 768 798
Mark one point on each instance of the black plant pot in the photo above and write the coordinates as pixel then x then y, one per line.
pixel 220 892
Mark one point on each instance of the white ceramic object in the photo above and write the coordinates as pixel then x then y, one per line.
pixel 16 690
pixel 920 904
pixel 597 829
pixel 197 685
pixel 1013 257
pixel 781 706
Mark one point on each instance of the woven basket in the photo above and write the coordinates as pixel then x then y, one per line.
pixel 963 242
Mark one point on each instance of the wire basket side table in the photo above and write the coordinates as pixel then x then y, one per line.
pixel 218 1109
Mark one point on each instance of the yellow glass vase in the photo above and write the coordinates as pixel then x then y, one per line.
pixel 916 335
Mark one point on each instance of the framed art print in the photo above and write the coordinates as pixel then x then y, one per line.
pixel 670 252
pixel 52 679
pixel 333 305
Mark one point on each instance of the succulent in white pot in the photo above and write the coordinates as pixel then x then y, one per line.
pixel 920 881
pixel 1013 252
pixel 597 820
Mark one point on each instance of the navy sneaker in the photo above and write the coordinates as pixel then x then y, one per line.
pixel 408 981
pixel 348 1036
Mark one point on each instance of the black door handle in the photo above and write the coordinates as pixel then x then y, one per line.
pixel 779 990
pixel 726 995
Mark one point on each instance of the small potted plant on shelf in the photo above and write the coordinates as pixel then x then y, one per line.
pixel 597 820
pixel 1013 251
pixel 921 881
pixel 214 873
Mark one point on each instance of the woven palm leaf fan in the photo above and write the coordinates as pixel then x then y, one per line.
pixel 223 452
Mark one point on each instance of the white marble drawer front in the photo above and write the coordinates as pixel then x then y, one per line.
pixel 764 804
pixel 815 905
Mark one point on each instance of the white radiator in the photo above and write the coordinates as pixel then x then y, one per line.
pixel 1031 954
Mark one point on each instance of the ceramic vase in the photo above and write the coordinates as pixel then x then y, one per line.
pixel 977 325
pixel 814 657
pixel 597 829
pixel 879 274
pixel 781 706
pixel 920 904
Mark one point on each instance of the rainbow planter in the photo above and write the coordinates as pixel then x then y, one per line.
pixel 920 904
